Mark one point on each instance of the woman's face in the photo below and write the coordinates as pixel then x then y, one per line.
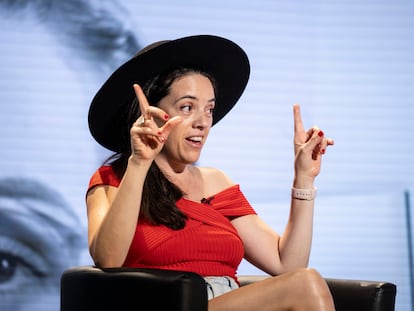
pixel 192 98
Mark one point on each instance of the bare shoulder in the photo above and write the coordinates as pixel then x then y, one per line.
pixel 214 180
pixel 100 196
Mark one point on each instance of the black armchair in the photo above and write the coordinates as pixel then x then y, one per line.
pixel 90 288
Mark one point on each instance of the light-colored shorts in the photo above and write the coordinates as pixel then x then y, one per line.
pixel 219 285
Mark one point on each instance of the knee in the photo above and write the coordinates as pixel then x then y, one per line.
pixel 312 283
pixel 310 279
pixel 308 276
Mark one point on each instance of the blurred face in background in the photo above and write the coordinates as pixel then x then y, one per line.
pixel 44 142
pixel 54 58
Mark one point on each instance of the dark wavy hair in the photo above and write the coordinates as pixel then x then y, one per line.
pixel 158 205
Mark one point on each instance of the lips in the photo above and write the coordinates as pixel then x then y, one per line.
pixel 195 140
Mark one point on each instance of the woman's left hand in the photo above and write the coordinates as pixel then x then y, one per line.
pixel 309 147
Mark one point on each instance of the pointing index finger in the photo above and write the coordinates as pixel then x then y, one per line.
pixel 142 99
pixel 297 119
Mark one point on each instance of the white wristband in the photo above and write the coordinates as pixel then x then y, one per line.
pixel 304 194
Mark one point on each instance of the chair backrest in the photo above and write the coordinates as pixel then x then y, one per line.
pixel 89 288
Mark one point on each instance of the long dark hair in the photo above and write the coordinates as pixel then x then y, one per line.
pixel 158 205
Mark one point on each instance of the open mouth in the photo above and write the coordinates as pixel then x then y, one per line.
pixel 195 140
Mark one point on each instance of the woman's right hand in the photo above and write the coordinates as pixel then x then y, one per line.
pixel 113 211
pixel 147 138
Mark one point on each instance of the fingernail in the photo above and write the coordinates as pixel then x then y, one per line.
pixel 159 133
pixel 322 151
pixel 320 134
pixel 162 139
pixel 166 116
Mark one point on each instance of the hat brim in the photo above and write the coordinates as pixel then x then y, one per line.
pixel 220 57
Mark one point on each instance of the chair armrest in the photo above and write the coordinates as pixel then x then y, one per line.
pixel 91 288
pixel 352 294
pixel 362 295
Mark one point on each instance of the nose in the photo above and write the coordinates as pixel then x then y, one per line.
pixel 202 120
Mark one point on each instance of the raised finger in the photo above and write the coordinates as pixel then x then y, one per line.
pixel 297 119
pixel 142 99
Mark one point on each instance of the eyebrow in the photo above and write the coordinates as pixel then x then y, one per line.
pixel 192 97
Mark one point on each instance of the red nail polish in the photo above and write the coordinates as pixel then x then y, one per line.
pixel 322 151
pixel 166 117
pixel 320 133
pixel 159 133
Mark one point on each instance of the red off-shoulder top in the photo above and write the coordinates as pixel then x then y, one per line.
pixel 208 244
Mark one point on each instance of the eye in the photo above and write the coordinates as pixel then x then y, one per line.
pixel 16 273
pixel 186 108
pixel 8 266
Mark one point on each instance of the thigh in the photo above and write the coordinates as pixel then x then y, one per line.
pixel 290 291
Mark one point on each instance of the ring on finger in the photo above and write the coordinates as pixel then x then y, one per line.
pixel 141 121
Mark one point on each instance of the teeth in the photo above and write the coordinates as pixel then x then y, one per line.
pixel 196 138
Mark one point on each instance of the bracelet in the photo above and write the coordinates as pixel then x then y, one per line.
pixel 304 194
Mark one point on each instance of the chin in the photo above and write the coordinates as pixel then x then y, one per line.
pixel 192 159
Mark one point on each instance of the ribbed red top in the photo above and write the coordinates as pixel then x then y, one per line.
pixel 208 244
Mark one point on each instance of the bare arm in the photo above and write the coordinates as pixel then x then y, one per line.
pixel 113 212
pixel 264 247
pixel 271 252
pixel 113 215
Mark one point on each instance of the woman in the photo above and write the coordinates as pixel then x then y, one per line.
pixel 151 206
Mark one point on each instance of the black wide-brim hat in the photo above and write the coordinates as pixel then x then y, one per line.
pixel 220 57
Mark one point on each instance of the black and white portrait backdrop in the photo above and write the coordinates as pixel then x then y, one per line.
pixel 349 64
